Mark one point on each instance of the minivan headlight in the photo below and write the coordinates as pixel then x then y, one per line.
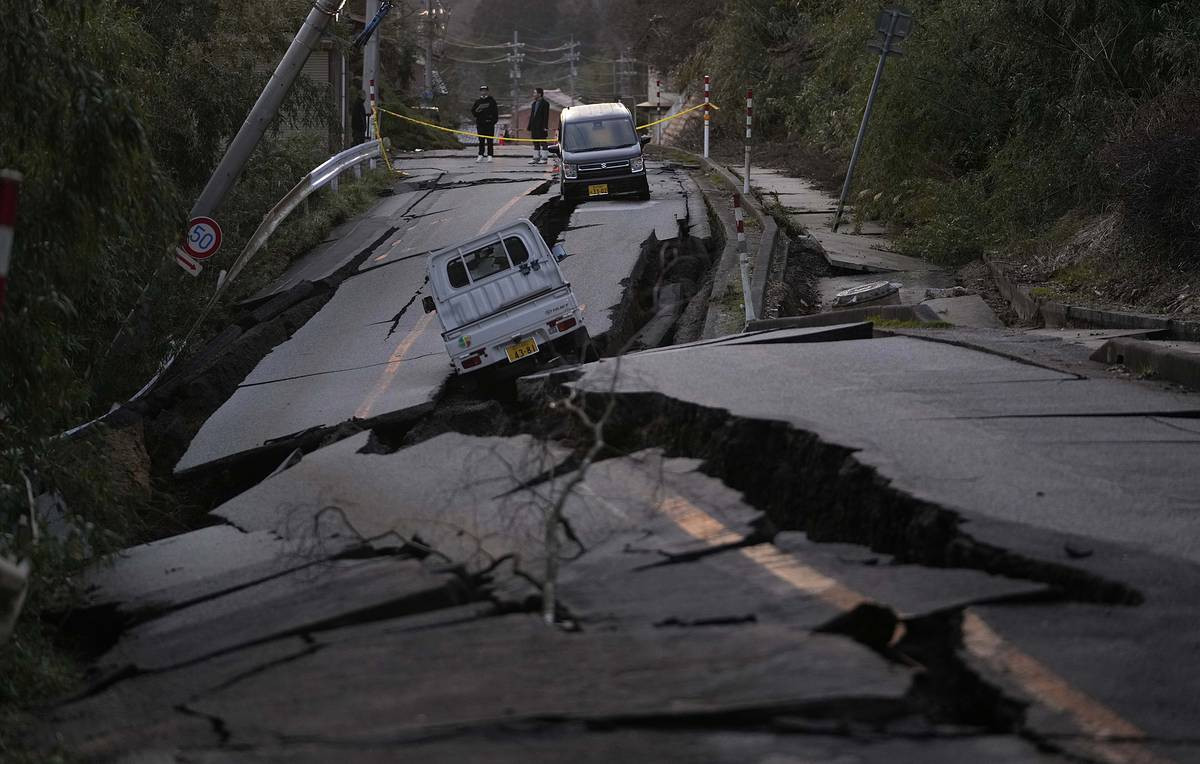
pixel 637 164
pixel 570 170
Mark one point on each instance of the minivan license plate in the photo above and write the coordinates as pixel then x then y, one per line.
pixel 521 349
pixel 598 190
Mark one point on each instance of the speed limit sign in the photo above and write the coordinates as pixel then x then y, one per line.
pixel 203 238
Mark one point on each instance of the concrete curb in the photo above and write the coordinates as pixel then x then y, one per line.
pixel 921 313
pixel 723 271
pixel 760 258
pixel 1142 356
pixel 1058 314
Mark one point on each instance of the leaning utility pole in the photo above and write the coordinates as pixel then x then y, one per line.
pixel 893 24
pixel 265 108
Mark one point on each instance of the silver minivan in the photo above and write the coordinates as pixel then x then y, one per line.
pixel 601 153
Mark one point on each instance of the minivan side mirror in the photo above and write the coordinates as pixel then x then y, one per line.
pixel 560 252
pixel 554 149
pixel 644 139
pixel 428 305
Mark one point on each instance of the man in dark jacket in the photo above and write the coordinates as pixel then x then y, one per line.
pixel 486 114
pixel 539 124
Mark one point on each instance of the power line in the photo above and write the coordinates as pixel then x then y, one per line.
pixel 474 46
pixel 481 62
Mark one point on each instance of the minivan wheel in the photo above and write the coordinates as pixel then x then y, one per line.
pixel 644 190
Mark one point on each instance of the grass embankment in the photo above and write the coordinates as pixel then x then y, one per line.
pixel 116 114
pixel 405 135
pixel 1073 153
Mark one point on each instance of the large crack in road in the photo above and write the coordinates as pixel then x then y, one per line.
pixel 730 582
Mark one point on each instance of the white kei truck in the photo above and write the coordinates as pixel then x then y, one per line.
pixel 501 299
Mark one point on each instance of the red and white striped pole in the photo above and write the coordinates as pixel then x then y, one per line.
pixel 743 255
pixel 707 116
pixel 749 120
pixel 10 186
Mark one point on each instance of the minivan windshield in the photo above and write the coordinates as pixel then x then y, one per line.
pixel 599 134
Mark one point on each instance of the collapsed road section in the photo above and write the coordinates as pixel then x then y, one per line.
pixel 365 356
pixel 746 567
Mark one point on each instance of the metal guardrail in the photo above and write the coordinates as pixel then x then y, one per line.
pixel 327 173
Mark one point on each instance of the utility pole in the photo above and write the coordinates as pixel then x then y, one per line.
pixel 621 72
pixel 894 24
pixel 514 75
pixel 429 33
pixel 265 108
pixel 573 57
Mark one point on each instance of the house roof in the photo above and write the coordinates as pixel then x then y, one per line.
pixel 558 98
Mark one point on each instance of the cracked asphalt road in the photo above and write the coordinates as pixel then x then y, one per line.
pixel 358 358
pixel 806 545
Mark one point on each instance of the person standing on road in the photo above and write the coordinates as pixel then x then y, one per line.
pixel 486 114
pixel 539 124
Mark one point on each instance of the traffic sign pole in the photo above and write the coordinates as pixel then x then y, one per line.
pixel 203 238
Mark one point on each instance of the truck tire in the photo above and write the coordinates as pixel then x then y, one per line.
pixel 585 347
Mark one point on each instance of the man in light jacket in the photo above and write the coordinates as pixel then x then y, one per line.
pixel 539 124
pixel 486 114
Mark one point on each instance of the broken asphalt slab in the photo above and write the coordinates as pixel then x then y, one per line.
pixel 908 448
pixel 584 744
pixel 300 601
pixel 924 414
pixel 408 685
pixel 629 582
pixel 174 571
pixel 456 495
pixel 365 686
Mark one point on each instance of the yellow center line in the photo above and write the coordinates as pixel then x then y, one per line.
pixel 979 639
pixel 402 349
pixel 501 211
pixel 389 371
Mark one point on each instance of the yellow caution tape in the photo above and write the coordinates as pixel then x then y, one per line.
pixel 387 160
pixel 677 115
pixel 464 132
pixel 521 140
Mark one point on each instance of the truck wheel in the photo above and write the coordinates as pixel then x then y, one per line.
pixel 585 348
